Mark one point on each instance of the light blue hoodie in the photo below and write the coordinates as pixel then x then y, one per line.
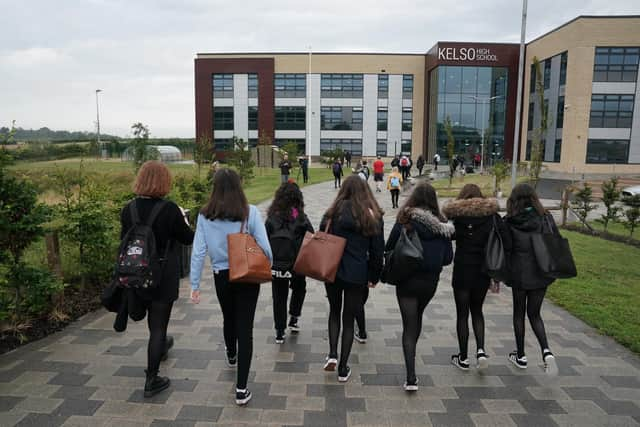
pixel 211 237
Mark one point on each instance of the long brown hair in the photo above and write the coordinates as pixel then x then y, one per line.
pixel 523 196
pixel 364 207
pixel 470 191
pixel 423 197
pixel 227 201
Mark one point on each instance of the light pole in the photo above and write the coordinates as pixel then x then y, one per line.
pixel 516 132
pixel 484 102
pixel 100 147
pixel 309 113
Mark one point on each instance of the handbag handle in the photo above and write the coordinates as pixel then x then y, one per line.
pixel 326 227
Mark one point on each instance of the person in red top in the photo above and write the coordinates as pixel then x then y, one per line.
pixel 378 173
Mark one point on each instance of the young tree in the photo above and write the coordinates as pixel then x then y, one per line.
pixel 582 204
pixel 632 214
pixel 6 138
pixel 202 151
pixel 500 171
pixel 140 146
pixel 539 133
pixel 610 195
pixel 451 148
pixel 240 159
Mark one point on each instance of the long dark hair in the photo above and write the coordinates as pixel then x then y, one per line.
pixel 364 207
pixel 470 191
pixel 423 197
pixel 523 196
pixel 227 201
pixel 288 196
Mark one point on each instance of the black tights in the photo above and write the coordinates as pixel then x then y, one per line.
pixel 529 301
pixel 412 306
pixel 469 301
pixel 353 299
pixel 362 327
pixel 157 319
pixel 394 197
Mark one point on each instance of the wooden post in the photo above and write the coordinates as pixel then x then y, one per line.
pixel 53 253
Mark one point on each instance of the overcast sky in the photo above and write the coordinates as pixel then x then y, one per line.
pixel 54 54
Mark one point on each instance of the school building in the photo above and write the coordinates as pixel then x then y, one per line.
pixel 392 103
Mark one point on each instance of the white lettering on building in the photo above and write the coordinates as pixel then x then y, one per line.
pixel 466 54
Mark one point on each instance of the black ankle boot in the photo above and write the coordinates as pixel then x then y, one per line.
pixel 168 344
pixel 155 384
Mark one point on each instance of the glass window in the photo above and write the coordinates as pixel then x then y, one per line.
pixel 611 111
pixel 405 147
pixel 407 86
pixel 354 146
pixel 557 150
pixel 454 79
pixel 290 118
pixel 607 151
pixel 382 118
pixel 528 150
pixel 532 81
pixel 560 113
pixel 341 118
pixel 290 85
pixel 253 118
pixel 616 64
pixel 383 86
pixel 530 116
pixel 299 141
pixel 563 69
pixel 381 147
pixel 223 118
pixel 469 80
pixel 547 74
pixel 407 119
pixel 222 144
pixel 223 85
pixel 253 85
pixel 341 85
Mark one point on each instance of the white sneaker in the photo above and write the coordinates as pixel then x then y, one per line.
pixel 330 364
pixel 550 365
pixel 483 360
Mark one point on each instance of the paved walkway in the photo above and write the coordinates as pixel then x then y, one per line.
pixel 88 375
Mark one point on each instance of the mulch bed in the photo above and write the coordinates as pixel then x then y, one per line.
pixel 601 234
pixel 77 302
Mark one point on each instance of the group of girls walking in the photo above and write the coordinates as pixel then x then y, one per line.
pixel 356 216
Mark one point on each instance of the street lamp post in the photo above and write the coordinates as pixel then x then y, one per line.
pixel 516 132
pixel 100 147
pixel 309 112
pixel 484 102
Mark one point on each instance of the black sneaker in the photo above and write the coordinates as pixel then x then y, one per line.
pixel 462 364
pixel 232 360
pixel 279 337
pixel 154 384
pixel 361 337
pixel 550 365
pixel 520 362
pixel 242 397
pixel 293 324
pixel 344 374
pixel 167 346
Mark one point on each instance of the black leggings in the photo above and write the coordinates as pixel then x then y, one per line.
pixel 529 301
pixel 336 180
pixel 353 298
pixel 395 194
pixel 280 294
pixel 362 327
pixel 469 301
pixel 238 303
pixel 412 305
pixel 157 319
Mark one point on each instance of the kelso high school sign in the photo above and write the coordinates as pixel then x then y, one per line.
pixel 466 54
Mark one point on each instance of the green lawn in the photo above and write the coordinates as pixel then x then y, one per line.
pixel 485 182
pixel 614 228
pixel 606 293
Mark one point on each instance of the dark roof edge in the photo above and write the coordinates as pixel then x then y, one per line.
pixel 307 53
pixel 583 17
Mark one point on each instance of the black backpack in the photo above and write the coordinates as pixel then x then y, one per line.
pixel 139 264
pixel 284 245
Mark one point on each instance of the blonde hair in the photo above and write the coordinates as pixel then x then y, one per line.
pixel 394 169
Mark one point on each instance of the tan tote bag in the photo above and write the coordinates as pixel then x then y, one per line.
pixel 320 254
pixel 247 261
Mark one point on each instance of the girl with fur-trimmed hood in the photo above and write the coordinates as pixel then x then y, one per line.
pixel 422 215
pixel 473 217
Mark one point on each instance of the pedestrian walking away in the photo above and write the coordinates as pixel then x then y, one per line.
pixel 227 212
pixel 473 217
pixel 395 162
pixel 347 157
pixel 404 167
pixel 420 164
pixel 304 166
pixel 337 173
pixel 394 183
pixel 378 173
pixel 436 161
pixel 525 218
pixel 356 216
pixel 286 226
pixel 285 168
pixel 363 170
pixel 155 299
pixel 420 215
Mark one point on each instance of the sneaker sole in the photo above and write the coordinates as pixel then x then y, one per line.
pixel 410 388
pixel 148 394
pixel 330 366
pixel 551 367
pixel 483 363
pixel 242 402
pixel 462 368
pixel 344 379
pixel 516 364
pixel 360 340
pixel 294 329
pixel 231 365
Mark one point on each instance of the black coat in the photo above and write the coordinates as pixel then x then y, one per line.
pixel 363 255
pixel 435 237
pixel 474 220
pixel 170 229
pixel 523 268
pixel 298 226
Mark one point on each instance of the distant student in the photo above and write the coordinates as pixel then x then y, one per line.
pixel 304 165
pixel 394 184
pixel 436 161
pixel 347 156
pixel 364 171
pixel 337 173
pixel 420 164
pixel 378 173
pixel 285 168
pixel 404 167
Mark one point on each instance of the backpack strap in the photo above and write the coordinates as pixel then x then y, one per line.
pixel 133 210
pixel 155 211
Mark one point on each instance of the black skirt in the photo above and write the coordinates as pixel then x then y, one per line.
pixel 467 276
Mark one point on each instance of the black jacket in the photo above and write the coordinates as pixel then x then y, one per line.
pixel 285 167
pixel 474 220
pixel 363 256
pixel 126 303
pixel 523 268
pixel 169 229
pixel 435 237
pixel 298 226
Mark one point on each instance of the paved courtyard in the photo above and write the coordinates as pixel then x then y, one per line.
pixel 88 375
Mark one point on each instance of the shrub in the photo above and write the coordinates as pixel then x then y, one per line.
pixel 610 195
pixel 240 159
pixel 633 213
pixel 582 203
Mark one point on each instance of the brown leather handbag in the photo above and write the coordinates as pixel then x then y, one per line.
pixel 247 261
pixel 320 254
